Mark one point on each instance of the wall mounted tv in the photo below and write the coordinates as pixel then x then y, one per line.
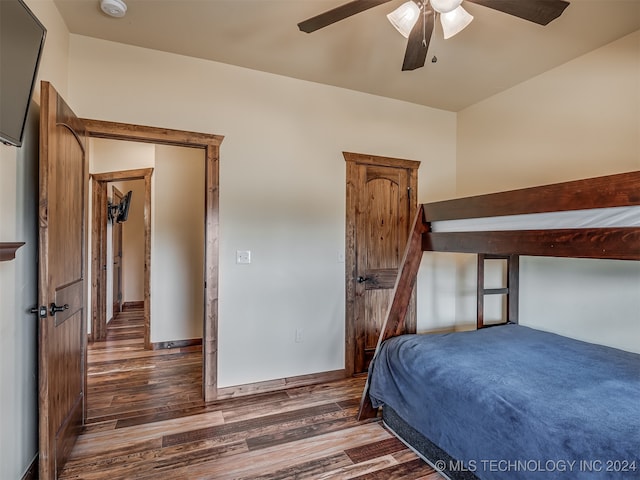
pixel 21 43
pixel 119 212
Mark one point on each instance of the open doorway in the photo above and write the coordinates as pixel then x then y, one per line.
pixel 105 227
pixel 208 146
pixel 175 231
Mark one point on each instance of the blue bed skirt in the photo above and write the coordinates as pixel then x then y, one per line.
pixel 511 402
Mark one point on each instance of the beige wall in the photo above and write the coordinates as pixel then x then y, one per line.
pixel 54 65
pixel 579 120
pixel 18 278
pixel 18 293
pixel 282 190
pixel 177 244
pixel 133 243
pixel 115 156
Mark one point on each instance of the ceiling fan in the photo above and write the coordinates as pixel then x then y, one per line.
pixel 415 19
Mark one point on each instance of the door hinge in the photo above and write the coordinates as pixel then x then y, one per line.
pixel 41 311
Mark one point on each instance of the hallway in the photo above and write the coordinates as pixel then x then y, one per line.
pixel 125 380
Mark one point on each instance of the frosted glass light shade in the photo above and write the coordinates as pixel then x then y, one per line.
pixel 455 21
pixel 405 17
pixel 445 6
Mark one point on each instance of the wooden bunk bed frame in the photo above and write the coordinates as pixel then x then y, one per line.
pixel 619 190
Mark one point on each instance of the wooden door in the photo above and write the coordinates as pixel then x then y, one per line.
pixel 61 284
pixel 381 204
pixel 117 256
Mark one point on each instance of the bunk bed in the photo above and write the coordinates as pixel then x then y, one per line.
pixel 511 402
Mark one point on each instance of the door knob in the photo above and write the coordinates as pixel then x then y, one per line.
pixel 362 279
pixel 53 308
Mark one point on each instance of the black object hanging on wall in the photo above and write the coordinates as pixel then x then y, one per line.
pixel 119 212
pixel 21 44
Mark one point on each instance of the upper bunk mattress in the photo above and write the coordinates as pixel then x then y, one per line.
pixel 592 218
pixel 513 402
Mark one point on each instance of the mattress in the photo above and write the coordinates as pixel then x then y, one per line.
pixel 591 218
pixel 511 402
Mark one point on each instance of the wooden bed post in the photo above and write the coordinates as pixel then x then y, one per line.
pixel 406 280
pixel 513 284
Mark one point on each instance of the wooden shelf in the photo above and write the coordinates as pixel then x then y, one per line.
pixel 8 250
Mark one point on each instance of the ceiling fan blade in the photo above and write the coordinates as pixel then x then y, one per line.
pixel 538 11
pixel 339 13
pixel 418 42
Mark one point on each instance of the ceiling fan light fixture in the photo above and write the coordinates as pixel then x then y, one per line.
pixel 405 17
pixel 455 21
pixel 445 6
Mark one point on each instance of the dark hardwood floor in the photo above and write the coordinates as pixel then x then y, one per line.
pixel 146 420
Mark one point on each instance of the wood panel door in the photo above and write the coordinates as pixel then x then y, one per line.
pixel 117 256
pixel 381 204
pixel 61 283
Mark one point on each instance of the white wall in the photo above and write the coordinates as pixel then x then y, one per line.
pixel 18 278
pixel 579 120
pixel 282 190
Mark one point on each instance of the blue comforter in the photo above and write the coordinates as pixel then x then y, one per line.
pixel 513 402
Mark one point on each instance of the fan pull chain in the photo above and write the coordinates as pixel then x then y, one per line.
pixel 424 24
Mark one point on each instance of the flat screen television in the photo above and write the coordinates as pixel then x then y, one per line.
pixel 21 43
pixel 123 209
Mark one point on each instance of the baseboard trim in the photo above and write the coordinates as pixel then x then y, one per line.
pixel 32 470
pixel 133 305
pixel 193 342
pixel 280 384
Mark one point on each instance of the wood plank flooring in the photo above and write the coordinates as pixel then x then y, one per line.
pixel 146 420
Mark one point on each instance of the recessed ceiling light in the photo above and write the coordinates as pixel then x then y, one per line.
pixel 113 8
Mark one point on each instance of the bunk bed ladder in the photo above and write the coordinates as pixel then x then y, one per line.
pixel 511 290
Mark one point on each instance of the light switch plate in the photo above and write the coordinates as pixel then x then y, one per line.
pixel 243 256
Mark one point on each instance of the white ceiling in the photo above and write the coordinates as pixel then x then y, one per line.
pixel 363 52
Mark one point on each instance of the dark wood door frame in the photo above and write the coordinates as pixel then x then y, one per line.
pixel 353 160
pixel 211 147
pixel 99 250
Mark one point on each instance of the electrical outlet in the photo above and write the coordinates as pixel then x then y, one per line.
pixel 299 335
pixel 340 256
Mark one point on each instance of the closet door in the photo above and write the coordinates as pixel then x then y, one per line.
pixel 381 204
